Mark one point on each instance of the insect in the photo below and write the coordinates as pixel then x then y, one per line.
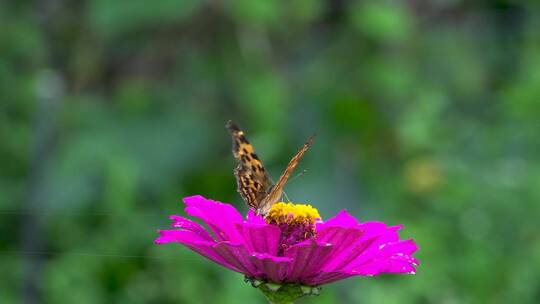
pixel 253 183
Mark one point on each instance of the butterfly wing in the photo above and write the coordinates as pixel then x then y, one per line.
pixel 276 192
pixel 252 181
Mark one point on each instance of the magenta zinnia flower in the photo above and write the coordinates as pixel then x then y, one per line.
pixel 291 245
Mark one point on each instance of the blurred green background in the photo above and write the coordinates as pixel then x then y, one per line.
pixel 112 111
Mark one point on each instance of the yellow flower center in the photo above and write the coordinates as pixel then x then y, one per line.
pixel 292 214
pixel 296 222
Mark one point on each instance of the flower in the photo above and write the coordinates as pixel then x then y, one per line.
pixel 291 245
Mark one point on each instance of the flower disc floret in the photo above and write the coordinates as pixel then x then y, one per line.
pixel 295 221
pixel 292 214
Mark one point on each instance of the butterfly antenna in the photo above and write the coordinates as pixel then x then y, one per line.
pixel 298 175
pixel 290 180
pixel 286 197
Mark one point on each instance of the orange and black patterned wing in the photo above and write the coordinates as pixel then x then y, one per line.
pixel 276 192
pixel 252 180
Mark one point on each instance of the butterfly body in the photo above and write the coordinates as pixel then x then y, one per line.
pixel 253 182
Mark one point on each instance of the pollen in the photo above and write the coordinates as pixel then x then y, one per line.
pixel 296 222
pixel 292 214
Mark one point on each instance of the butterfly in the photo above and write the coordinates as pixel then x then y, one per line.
pixel 253 183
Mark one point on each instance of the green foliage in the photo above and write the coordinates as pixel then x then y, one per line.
pixel 112 111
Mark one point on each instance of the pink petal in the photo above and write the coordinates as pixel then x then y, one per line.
pixel 193 242
pixel 236 255
pixel 371 251
pixel 372 231
pixel 260 238
pixel 395 257
pixel 308 257
pixel 342 239
pixel 328 277
pixel 342 219
pixel 179 236
pixel 218 216
pixel 254 218
pixel 385 266
pixel 272 268
pixel 400 263
pixel 187 224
